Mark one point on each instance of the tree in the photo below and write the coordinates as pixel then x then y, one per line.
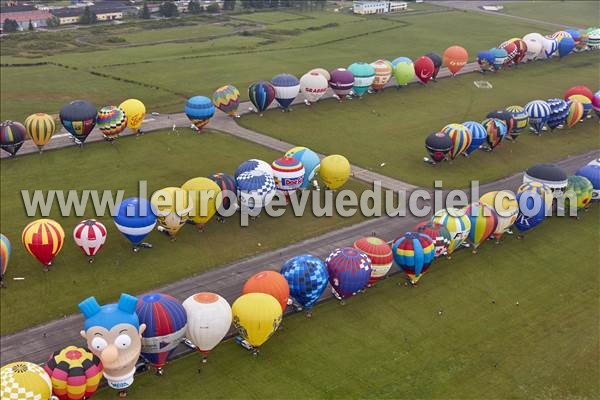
pixel 213 8
pixel 229 5
pixel 168 9
pixel 10 25
pixel 194 7
pixel 53 22
pixel 246 4
pixel 145 11
pixel 30 27
pixel 88 17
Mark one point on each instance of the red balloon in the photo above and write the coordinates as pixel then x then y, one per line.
pixel 511 50
pixel 455 57
pixel 424 69
pixel 582 90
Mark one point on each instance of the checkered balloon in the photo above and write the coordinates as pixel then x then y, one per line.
pixel 349 271
pixel 255 189
pixel 24 381
pixel 307 276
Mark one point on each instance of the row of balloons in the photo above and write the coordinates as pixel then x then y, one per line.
pixel 153 325
pixel 456 139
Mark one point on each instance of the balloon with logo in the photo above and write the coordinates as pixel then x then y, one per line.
pixel 511 51
pixel 40 128
pixel 135 219
pixel 580 189
pixel 496 131
pixel 349 271
pixel 135 111
pixel 585 101
pixel 256 317
pixel 228 190
pixel 261 95
pixel 12 136
pixel 309 159
pixel 565 47
pixel 207 200
pixel 286 88
pixel 227 99
pixel 478 135
pixel 288 174
pixel 424 69
pixel 380 254
pixel 307 278
pixel 269 282
pixel 539 112
pixel 43 239
pixel 79 119
pixel 199 109
pixel 505 116
pixel 383 74
pixel 559 109
pixel 460 136
pixel 535 46
pixel 256 190
pixel 500 57
pixel 172 209
pixel 404 70
pixel 438 234
pixel 5 251
pixel 334 171
pixel 322 71
pixel 484 222
pixel 592 173
pixel 90 236
pixel 438 145
pixel 436 59
pixel 574 113
pixel 504 203
pixel 364 74
pixel 75 373
pixel 486 60
pixel 521 120
pixel 532 211
pixel 413 253
pixel 111 121
pixel 313 86
pixel 457 223
pixel 341 82
pixel 23 380
pixel 550 46
pixel 455 58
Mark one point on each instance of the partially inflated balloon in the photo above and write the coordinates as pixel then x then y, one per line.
pixel 540 189
pixel 256 316
pixel 532 211
pixel 585 101
pixel 565 46
pixel 135 111
pixel 437 63
pixel 75 373
pixel 172 208
pixel 227 99
pixel 209 320
pixel 269 282
pixel 380 254
pixel 404 70
pixel 496 131
pixel 135 219
pixel 478 135
pixel 287 88
pixel 592 173
pixel 438 233
pixel 558 112
pixel 364 74
pixel 521 120
pixel 580 189
pixel 414 253
pixel 228 189
pixel 256 190
pixel 500 57
pixel 335 171
pixel 511 51
pixel 23 381
pixel 341 82
pixel 535 45
pixel 12 136
pixel 550 46
pixel 40 128
pixel 539 112
pixel 349 271
pixel 307 278
pixel 455 58
pixel 486 60
pixel 199 109
pixel 111 121
pixel 596 103
pixel 460 136
pixel 309 159
pixel 574 114
pixel 313 86
pixel 322 71
pixel 505 116
pixel 484 221
pixel 43 239
pixel 79 118
pixel 457 223
pixel 383 73
pixel 261 95
pixel 424 69
pixel 581 90
pixel 504 203
pixel 207 199
pixel 438 145
pixel 288 174
pixel 5 251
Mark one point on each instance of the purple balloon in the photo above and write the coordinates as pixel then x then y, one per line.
pixel 341 81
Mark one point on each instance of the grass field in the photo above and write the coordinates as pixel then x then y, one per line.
pixel 391 127
pixel 518 321
pixel 582 14
pixel 163 159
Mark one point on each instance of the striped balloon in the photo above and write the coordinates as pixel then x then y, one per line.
pixel 438 233
pixel 496 131
pixel 478 135
pixel 521 119
pixel 227 99
pixel 575 113
pixel 457 223
pixel 560 35
pixel 484 221
pixel 460 136
pixel 286 88
pixel 383 74
pixel 558 112
pixel 40 128
pixel 505 204
pixel 349 271
pixel 585 101
pixel 309 159
pixel 90 236
pixel 75 373
pixel 199 109
pixel 539 112
pixel 364 74
pixel 5 251
pixel 228 188
pixel 12 136
pixel 261 94
pixel 43 239
pixel 288 174
pixel 414 253
pixel 111 121
pixel 380 254
pixel 135 219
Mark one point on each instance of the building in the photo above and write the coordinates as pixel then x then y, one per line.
pixel 378 7
pixel 24 14
pixel 104 10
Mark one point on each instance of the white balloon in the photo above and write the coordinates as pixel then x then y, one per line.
pixel 209 319
pixel 535 46
pixel 313 85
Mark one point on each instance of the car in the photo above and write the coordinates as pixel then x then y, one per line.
pixel 155 114
pixel 189 344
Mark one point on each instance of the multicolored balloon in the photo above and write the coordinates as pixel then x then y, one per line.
pixel 585 101
pixel 539 112
pixel 457 223
pixel 349 271
pixel 90 236
pixel 439 235
pixel 172 209
pixel 23 380
pixel 341 82
pixel 75 373
pixel 383 74
pixel 424 69
pixel 309 159
pixel 550 46
pixel 484 222
pixel 414 253
pixel 288 174
pixel 511 51
pixel 307 278
pixel 135 111
pixel 286 88
pixel 5 251
pixel 199 109
pixel 504 203
pixel 12 136
pixel 404 70
pixel 540 189
pixel 227 99
pixel 496 131
pixel 581 189
pixel 574 113
pixel 364 74
pixel 438 145
pixel 521 120
pixel 261 95
pixel 111 121
pixel 334 171
pixel 380 254
pixel 40 128
pixel 313 86
pixel 460 136
pixel 135 220
pixel 269 282
pixel 559 109
pixel 43 239
pixel 228 188
pixel 454 58
pixel 256 316
pixel 505 116
pixel 478 135
pixel 596 103
pixel 79 119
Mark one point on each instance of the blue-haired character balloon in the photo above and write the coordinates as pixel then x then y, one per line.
pixel 539 112
pixel 307 276
pixel 486 59
pixel 135 220
pixel 199 109
pixel 309 159
pixel 478 136
pixel 349 271
pixel 286 88
pixel 532 211
pixel 413 253
pixel 79 118
pixel 113 333
pixel 261 95
pixel 559 109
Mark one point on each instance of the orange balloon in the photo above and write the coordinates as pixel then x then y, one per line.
pixel 269 282
pixel 455 58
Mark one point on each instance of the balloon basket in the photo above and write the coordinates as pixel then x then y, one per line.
pixel 520 237
pixel 173 239
pixel 309 314
pixel 146 245
pixel 2 286
pixel 204 360
pixel 47 268
pixel 136 249
pixel 159 371
pixel 122 394
pixel 91 260
pixel 255 353
pixel 474 251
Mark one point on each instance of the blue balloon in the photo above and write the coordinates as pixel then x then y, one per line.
pixel 559 109
pixel 565 46
pixel 478 135
pixel 287 88
pixel 592 173
pixel 307 277
pixel 310 160
pixel 199 107
pixel 486 60
pixel 135 219
pixel 401 59
pixel 349 271
pixel 532 210
pixel 574 34
pixel 500 57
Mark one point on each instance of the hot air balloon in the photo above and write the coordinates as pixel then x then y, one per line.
pixel 172 209
pixel 414 253
pixel 256 190
pixel 585 101
pixel 228 190
pixel 566 46
pixel 478 135
pixel 75 373
pixel 559 110
pixel 438 145
pixel 5 251
pixel 341 82
pixel 486 60
pixel 521 119
pixel 166 322
pixel 592 173
pixel 574 113
pixel 207 200
pixel 90 236
pixel 269 282
pixel 135 220
pixel 349 271
pixel 286 88
pixel 364 74
pixel 79 118
pixel 511 51
pixel 576 37
pixel 455 58
pixel 437 63
pixel 40 128
pixel 256 316
pixel 383 74
pixel 505 116
pixel 135 111
pixel 380 254
pixel 532 211
pixel 252 165
pixel 581 90
pixel 521 50
pixel 457 223
pixel 424 69
pixel 322 71
pixel 539 112
pixel 580 189
pixel 23 381
pixel 504 203
pixel 309 159
pixel 208 320
pixel 439 235
pixel 484 221
pixel 261 95
pixel 199 109
pixel 540 189
pixel 334 171
pixel 111 121
pixel 496 131
pixel 593 38
pixel 404 70
pixel 596 103
pixel 500 57
pixel 43 239
pixel 12 136
pixel 551 175
pixel 227 99
pixel 535 46
pixel 313 86
pixel 550 46
pixel 460 136
pixel 288 174
pixel 307 278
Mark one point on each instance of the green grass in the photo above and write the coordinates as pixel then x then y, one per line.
pixel 192 32
pixel 163 159
pixel 391 341
pixel 391 127
pixel 582 14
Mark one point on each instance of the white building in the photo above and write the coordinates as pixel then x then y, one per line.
pixel 378 7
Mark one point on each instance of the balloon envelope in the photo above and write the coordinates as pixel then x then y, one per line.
pixel 227 99
pixel 414 253
pixel 438 145
pixel 349 271
pixel 424 69
pixel 12 136
pixel 341 82
pixel 135 219
pixel 43 239
pixel 261 95
pixel 111 121
pixel 75 373
pixel 455 58
pixel 383 73
pixel 592 173
pixel 313 86
pixel 40 128
pixel 521 120
pixel 504 203
pixel 539 112
pixel 90 236
pixel 457 223
pixel 307 278
pixel 25 380
pixel 199 109
pixel 288 174
pixel 335 171
pixel 79 118
pixel 5 251
pixel 565 46
pixel 531 210
pixel 286 88
pixel 460 136
pixel 309 159
pixel 135 111
pixel 209 320
pixel 208 199
pixel 436 59
pixel 404 70
pixel 380 254
pixel 172 208
pixel 269 282
pixel 484 222
pixel 364 74
pixel 496 131
pixel 580 189
pixel 478 135
pixel 256 317
pixel 256 189
pixel 486 60
pixel 439 235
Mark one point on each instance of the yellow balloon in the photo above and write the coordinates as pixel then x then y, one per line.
pixel 207 199
pixel 172 207
pixel 135 112
pixel 506 206
pixel 256 316
pixel 25 380
pixel 335 171
pixel 40 128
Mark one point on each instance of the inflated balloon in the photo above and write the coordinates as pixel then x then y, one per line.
pixel 532 211
pixel 566 46
pixel 256 316
pixel 166 323
pixel 43 239
pixel 455 58
pixel 261 95
pixel 75 373
pixel 540 189
pixel 539 112
pixel 135 111
pixel 414 253
pixel 253 165
pixel 535 46
pixel 496 131
pixel 256 190
pixel 592 173
pixel 322 71
pixel 404 70
pixel 5 251
pixel 111 121
pixel 364 74
pixel 383 74
pixel 486 60
pixel 579 188
pixel 457 223
pixel 438 145
pixel 341 82
pixel 286 88
pixel 135 220
pixel 307 278
pixel 484 222
pixel 40 128
pixel 208 320
pixel 199 109
pixel 23 380
pixel 439 235
pixel 436 59
pixel 574 113
pixel 313 86
pixel 585 102
pixel 207 200
pixel 550 45
pixel 424 69
pixel 309 159
pixel 269 282
pixel 349 271
pixel 228 188
pixel 334 171
pixel 79 118
pixel 559 109
pixel 550 175
pixel 172 209
pixel 460 137
pixel 511 51
pixel 288 174
pixel 227 99
pixel 90 236
pixel 521 120
pixel 504 203
pixel 500 57
pixel 596 103
pixel 521 50
pixel 380 254
pixel 505 116
pixel 12 136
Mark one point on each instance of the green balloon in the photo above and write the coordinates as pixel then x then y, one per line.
pixel 404 72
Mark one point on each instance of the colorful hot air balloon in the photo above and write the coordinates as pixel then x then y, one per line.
pixel 540 189
pixel 460 136
pixel 580 189
pixel 511 51
pixel 478 135
pixel 207 200
pixel 5 251
pixel 558 113
pixel 79 118
pixel 256 316
pixel 341 82
pixel 457 223
pixel 484 221
pixel 111 121
pixel 172 209
pixel 521 50
pixel 581 90
pixel 229 191
pixel 227 99
pixel 574 113
pixel 380 254
pixel 75 373
pixel 135 111
pixel 349 271
pixel 135 220
pixel 504 203
pixel 364 74
pixel 565 47
pixel 288 174
pixel 424 69
pixel 334 171
pixel 532 211
pixel 43 239
pixel 413 253
pixel 560 35
pixel 269 282
pixel 521 119
pixel 505 116
pixel 596 103
pixel 438 145
pixel 253 165
pixel 40 128
pixel 500 57
pixel 12 136
pixel 166 322
pixel 309 159
pixel 313 86
pixel 261 95
pixel 24 381
pixel 539 112
pixel 256 190
pixel 439 235
pixel 286 88
pixel 592 173
pixel 383 74
pixel 437 63
pixel 404 70
pixel 496 131
pixel 455 58
pixel 90 236
pixel 307 278
pixel 486 60
pixel 550 45
pixel 208 320
pixel 199 109
pixel 585 101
